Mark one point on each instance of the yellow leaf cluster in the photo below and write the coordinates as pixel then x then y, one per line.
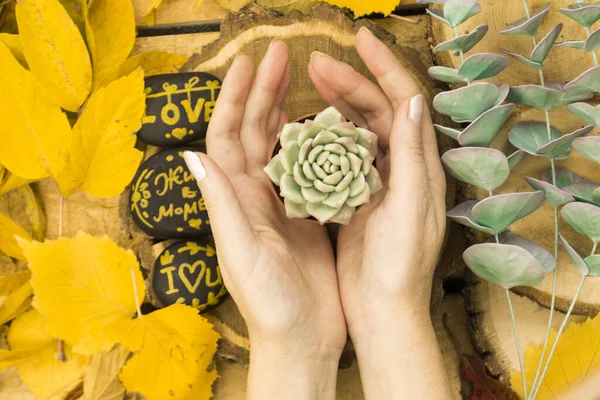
pixel 15 295
pixel 9 181
pixel 101 381
pixel 9 231
pixel 576 357
pixel 361 7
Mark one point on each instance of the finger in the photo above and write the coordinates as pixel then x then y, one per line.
pixel 274 117
pixel 223 135
pixel 261 101
pixel 230 227
pixel 399 86
pixel 408 169
pixel 343 84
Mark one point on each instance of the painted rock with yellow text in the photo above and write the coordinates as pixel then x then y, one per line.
pixel 165 201
pixel 178 108
pixel 187 272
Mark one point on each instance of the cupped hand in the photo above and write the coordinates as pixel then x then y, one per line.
pixel 388 252
pixel 279 271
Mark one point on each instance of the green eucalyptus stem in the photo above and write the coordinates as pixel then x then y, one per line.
pixel 516 332
pixel 526 9
pixel 593 52
pixel 560 331
pixel 594 248
pixel 462 55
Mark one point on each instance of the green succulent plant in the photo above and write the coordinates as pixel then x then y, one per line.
pixel 324 168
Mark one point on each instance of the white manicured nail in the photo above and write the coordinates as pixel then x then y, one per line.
pixel 195 165
pixel 415 112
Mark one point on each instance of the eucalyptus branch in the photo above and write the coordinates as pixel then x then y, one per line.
pixel 594 55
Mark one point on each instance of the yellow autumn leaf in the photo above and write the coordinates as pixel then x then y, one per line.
pixel 101 381
pixel 10 181
pixel 576 357
pixel 361 7
pixel 105 158
pixel 81 284
pixel 152 62
pixel 14 44
pixel 15 295
pixel 34 212
pixel 288 5
pixel 232 5
pixel 55 51
pixel 110 31
pixel 175 346
pixel 33 129
pixel 150 15
pixel 35 354
pixel 9 229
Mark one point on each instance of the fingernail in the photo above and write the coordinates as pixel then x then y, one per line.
pixel 365 29
pixel 272 42
pixel 319 54
pixel 195 165
pixel 415 112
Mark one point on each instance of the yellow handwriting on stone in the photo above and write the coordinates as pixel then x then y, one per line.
pixel 169 272
pixel 168 212
pixel 192 268
pixel 218 281
pixel 166 258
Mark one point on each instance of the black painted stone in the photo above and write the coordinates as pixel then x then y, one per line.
pixel 165 201
pixel 178 107
pixel 188 272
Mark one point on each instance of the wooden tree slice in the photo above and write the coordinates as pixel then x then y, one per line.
pixel 539 226
pixel 491 325
pixel 563 64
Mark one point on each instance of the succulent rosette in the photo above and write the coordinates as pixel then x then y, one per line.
pixel 324 168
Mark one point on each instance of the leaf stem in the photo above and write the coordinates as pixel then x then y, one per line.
pixel 516 334
pixel 526 9
pixel 135 291
pixel 593 52
pixel 594 248
pixel 560 331
pixel 461 54
pixel 60 346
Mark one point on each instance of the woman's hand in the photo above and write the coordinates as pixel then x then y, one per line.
pixel 279 271
pixel 388 252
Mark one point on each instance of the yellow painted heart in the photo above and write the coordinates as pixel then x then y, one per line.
pixel 191 269
pixel 179 133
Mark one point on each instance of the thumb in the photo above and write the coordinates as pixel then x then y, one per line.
pixel 408 169
pixel 229 224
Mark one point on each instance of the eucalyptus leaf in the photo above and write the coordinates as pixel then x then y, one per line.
pixel 555 196
pixel 529 136
pixel 588 147
pixel 541 51
pixel 445 74
pixel 564 177
pixel 526 26
pixel 500 211
pixel 458 11
pixel 538 96
pixel 561 148
pixel 576 257
pixel 439 15
pixel 463 43
pixel 482 167
pixel 573 44
pixel 523 59
pixel 582 191
pixel 593 263
pixel 450 132
pixel 485 128
pixel 515 158
pixel 596 196
pixel 546 260
pixel 462 215
pixel 505 264
pixel 469 102
pixel 585 16
pixel 592 43
pixel 584 218
pixel 482 66
pixel 586 83
pixel 585 112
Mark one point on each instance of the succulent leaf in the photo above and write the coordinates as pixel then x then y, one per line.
pixel 324 168
pixel 505 264
pixel 586 83
pixel 500 211
pixel 541 51
pixel 555 196
pixel 529 27
pixel 585 16
pixel 482 66
pixel 458 11
pixel 584 218
pixel 462 214
pixel 546 260
pixel 469 102
pixel 576 257
pixel 463 43
pixel 479 166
